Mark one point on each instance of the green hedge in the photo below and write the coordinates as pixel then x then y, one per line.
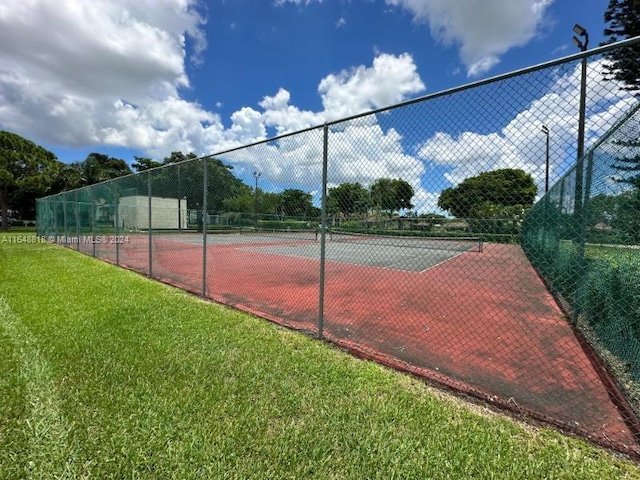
pixel 606 292
pixel 609 300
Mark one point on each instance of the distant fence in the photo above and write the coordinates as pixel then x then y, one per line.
pixel 584 238
pixel 335 231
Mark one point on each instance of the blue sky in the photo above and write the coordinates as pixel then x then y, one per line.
pixel 148 77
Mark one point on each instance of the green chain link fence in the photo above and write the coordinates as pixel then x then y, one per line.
pixel 421 236
pixel 587 248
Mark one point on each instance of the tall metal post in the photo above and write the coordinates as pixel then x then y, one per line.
pixel 256 175
pixel 205 223
pixel 323 229
pixel 93 222
pixel 581 267
pixel 545 130
pixel 578 199
pixel 150 225
pixel 65 236
pixel 116 219
pixel 179 200
pixel 78 232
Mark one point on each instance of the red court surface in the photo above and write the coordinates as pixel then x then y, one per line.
pixel 482 324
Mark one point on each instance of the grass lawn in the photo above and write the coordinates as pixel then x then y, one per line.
pixel 106 374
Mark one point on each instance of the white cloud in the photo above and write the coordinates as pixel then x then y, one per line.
pixel 390 80
pixel 110 72
pixel 287 118
pixel 484 29
pixel 360 151
pixel 520 143
pixel 279 3
pixel 65 64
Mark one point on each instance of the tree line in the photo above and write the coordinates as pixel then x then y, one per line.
pixel 28 171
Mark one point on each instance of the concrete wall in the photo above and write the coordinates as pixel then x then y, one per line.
pixel 133 213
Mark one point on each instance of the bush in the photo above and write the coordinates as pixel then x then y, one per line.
pixel 609 300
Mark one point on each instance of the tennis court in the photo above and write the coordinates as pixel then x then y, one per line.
pixel 411 254
pixel 472 317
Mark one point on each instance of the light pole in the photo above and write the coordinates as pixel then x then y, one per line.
pixel 579 203
pixel 256 175
pixel 545 130
pixel 582 45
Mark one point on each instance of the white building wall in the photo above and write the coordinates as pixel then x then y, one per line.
pixel 133 213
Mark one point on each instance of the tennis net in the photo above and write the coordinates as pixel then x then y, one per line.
pixel 266 234
pixel 459 244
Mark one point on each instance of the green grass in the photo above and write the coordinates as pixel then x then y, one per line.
pixel 105 374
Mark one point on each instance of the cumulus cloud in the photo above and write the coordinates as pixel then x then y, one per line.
pixel 388 81
pixel 520 142
pixel 279 3
pixel 484 29
pixel 111 72
pixel 65 64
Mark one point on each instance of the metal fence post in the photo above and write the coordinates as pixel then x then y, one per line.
pixel 93 223
pixel 205 223
pixel 581 265
pixel 323 229
pixel 77 206
pixel 149 229
pixel 578 199
pixel 179 200
pixel 116 206
pixel 55 218
pixel 64 218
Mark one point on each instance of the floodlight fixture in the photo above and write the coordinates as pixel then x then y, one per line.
pixel 579 30
pixel 582 32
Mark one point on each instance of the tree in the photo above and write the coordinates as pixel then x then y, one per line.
pixel 26 169
pixel 269 202
pixel 617 213
pixel 296 203
pixel 623 20
pixel 348 199
pixel 626 218
pixel 628 207
pixel 601 211
pixel 402 194
pixel 183 177
pixel 629 164
pixel 177 157
pixel 98 167
pixel 143 163
pixel 492 194
pixel 243 201
pixel 391 195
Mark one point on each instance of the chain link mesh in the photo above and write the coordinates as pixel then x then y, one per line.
pixel 376 233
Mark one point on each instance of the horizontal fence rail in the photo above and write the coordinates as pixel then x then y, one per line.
pixel 461 237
